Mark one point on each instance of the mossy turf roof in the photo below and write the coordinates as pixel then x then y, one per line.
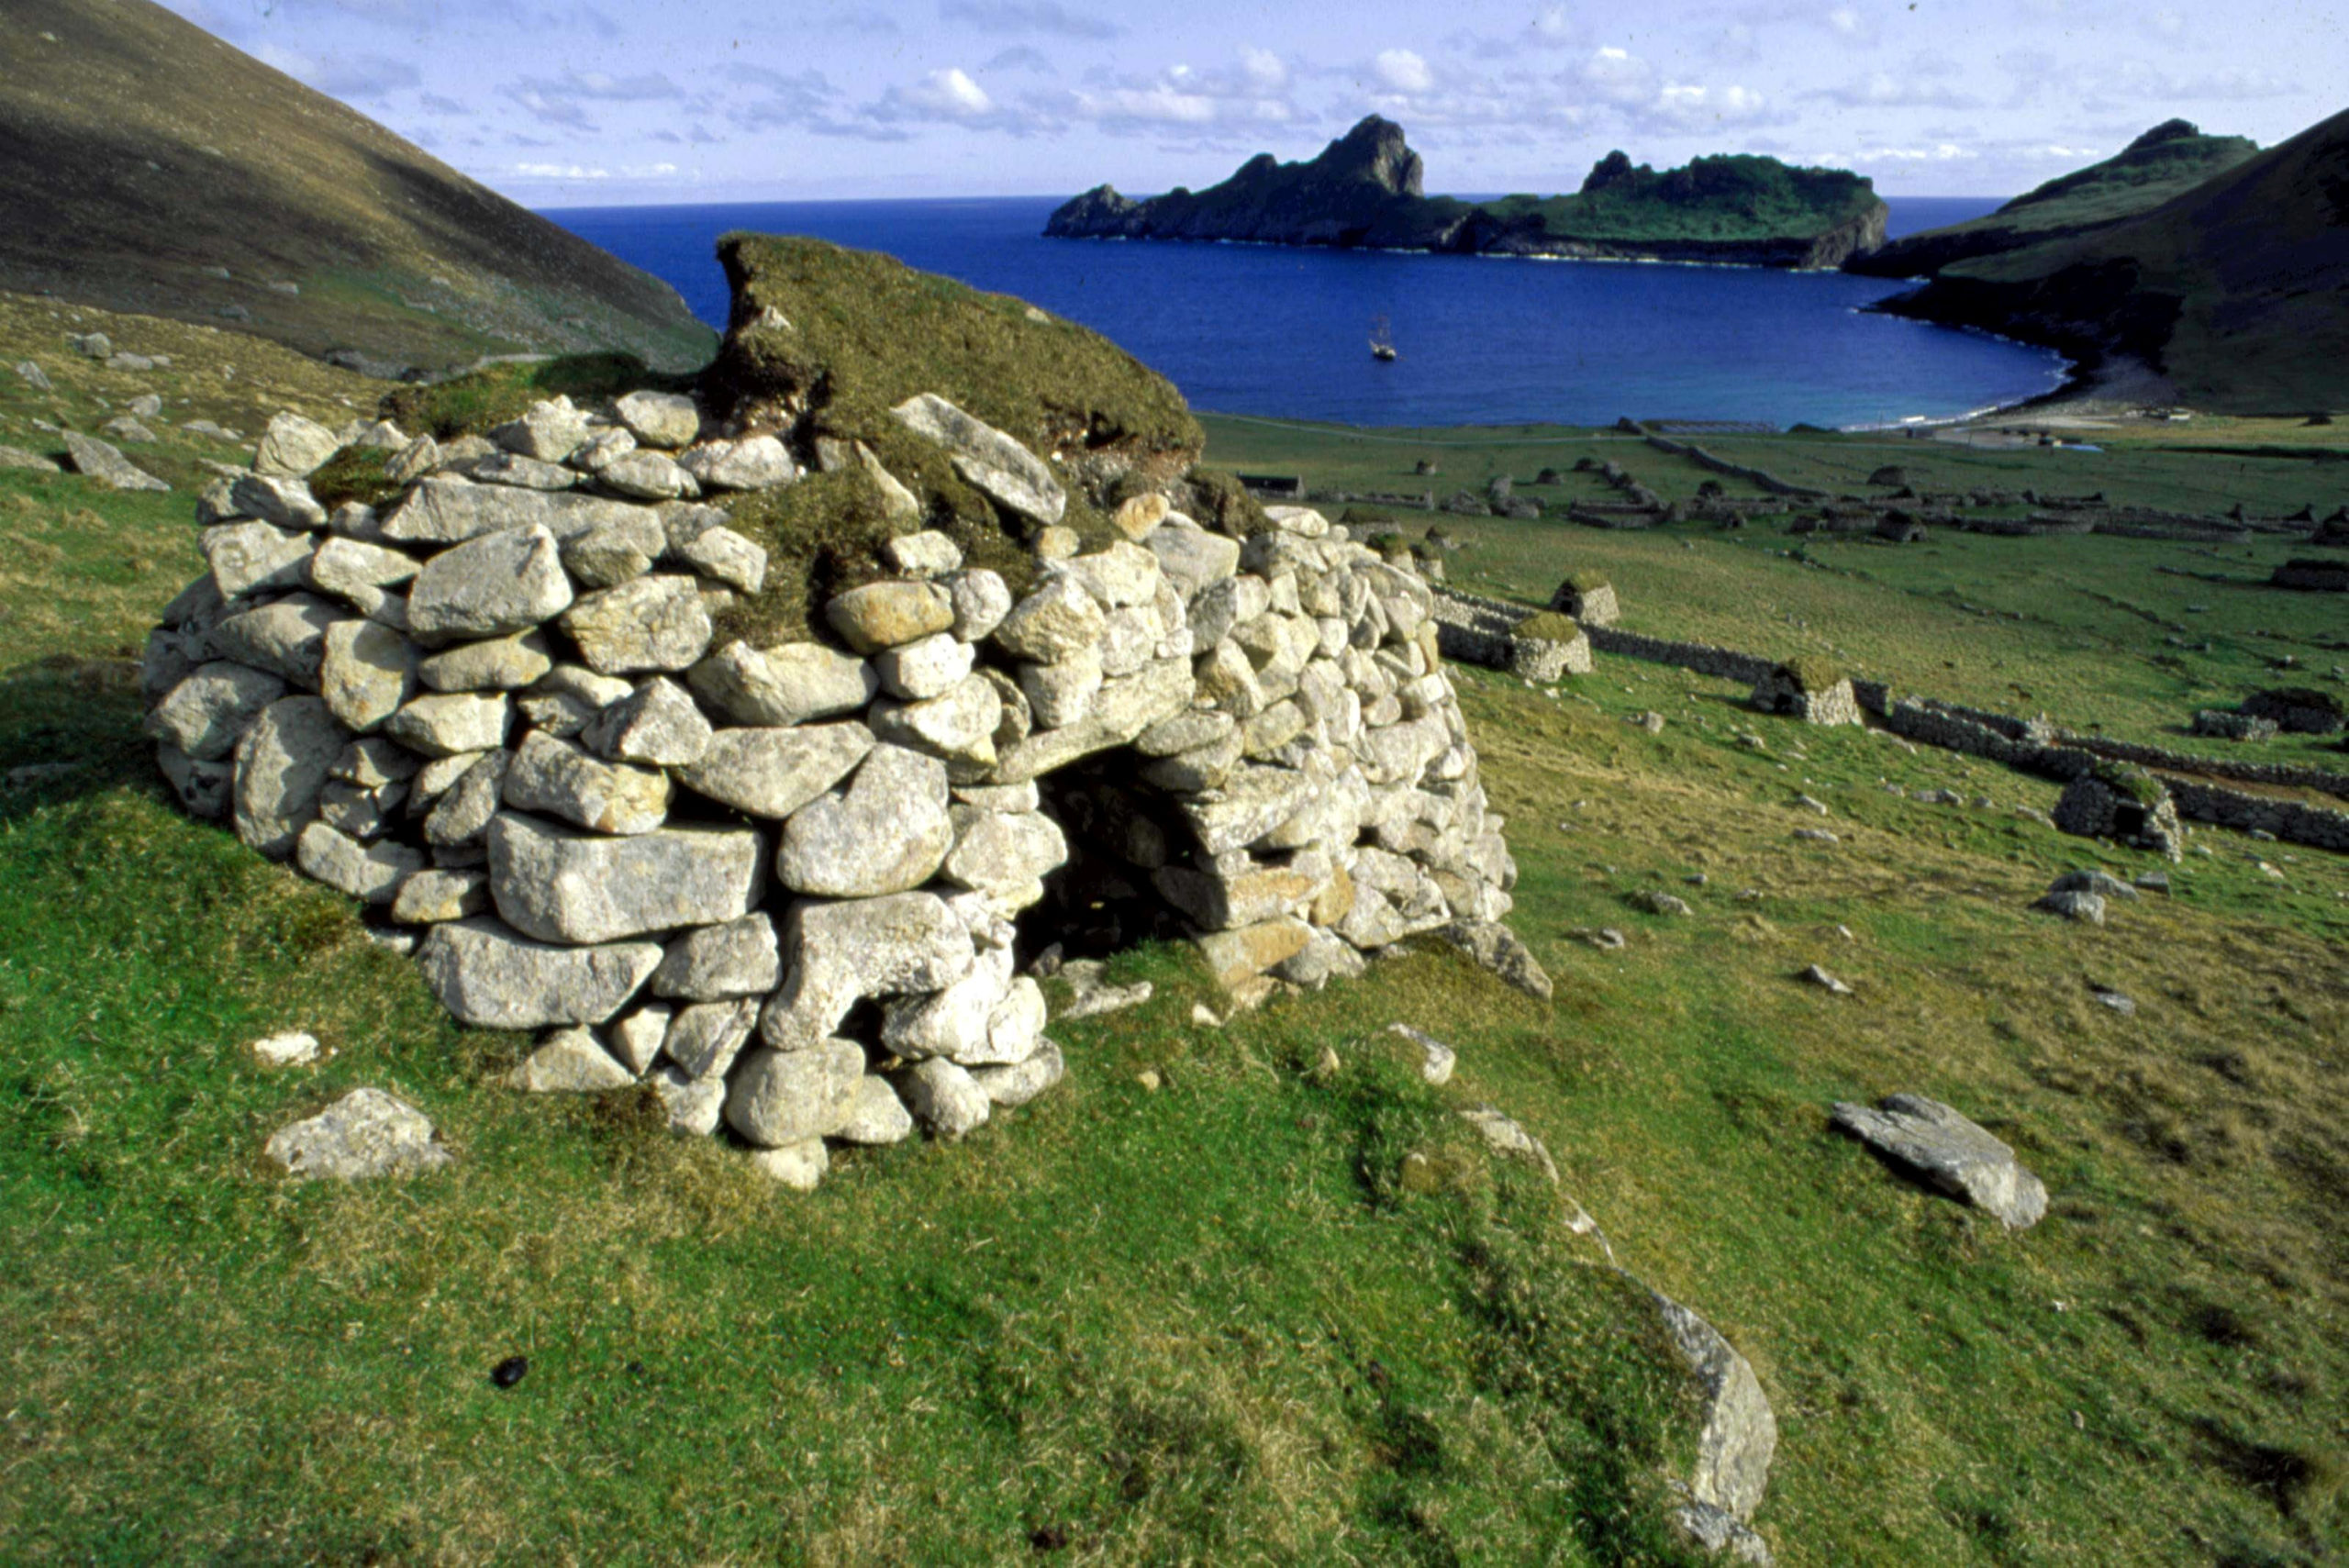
pixel 1810 674
pixel 1547 627
pixel 853 333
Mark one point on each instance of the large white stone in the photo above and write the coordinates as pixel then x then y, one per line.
pixel 282 762
pixel 773 772
pixel 493 977
pixel 504 582
pixel 561 887
pixel 365 1133
pixel 781 1098
pixel 557 777
pixel 652 623
pixel 712 964
pixel 987 458
pixel 787 685
pixel 837 953
pixel 886 832
pixel 205 714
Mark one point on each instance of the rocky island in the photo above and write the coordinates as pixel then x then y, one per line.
pixel 1364 192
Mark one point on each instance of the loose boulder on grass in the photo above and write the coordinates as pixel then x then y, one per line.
pixel 366 1133
pixel 1948 1153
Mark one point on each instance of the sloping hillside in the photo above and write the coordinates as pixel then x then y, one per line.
pixel 147 166
pixel 2166 161
pixel 2237 292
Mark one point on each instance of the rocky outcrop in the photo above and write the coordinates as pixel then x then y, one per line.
pixel 1364 192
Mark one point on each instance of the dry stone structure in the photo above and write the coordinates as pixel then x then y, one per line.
pixel 790 885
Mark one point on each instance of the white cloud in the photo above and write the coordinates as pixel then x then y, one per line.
pixel 1403 71
pixel 560 172
pixel 1266 69
pixel 1619 77
pixel 1845 20
pixel 1028 16
pixel 1553 25
pixel 1689 105
pixel 950 93
pixel 1940 153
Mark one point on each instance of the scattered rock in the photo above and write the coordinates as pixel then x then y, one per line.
pixel 1436 1058
pixel 1826 982
pixel 366 1133
pixel 1948 1153
pixel 290 1050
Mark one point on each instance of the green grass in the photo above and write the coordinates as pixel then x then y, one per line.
pixel 2128 635
pixel 1212 1322
pixel 477 402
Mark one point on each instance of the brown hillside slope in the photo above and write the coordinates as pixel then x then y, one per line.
pixel 2237 291
pixel 140 158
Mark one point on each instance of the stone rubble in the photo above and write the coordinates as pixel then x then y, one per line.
pixel 498 709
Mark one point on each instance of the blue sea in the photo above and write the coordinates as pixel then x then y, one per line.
pixel 1487 340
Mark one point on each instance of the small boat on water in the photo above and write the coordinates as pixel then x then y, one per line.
pixel 1382 340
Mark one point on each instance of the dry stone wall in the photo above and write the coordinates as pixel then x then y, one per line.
pixel 781 883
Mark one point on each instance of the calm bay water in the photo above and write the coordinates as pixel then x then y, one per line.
pixel 1275 331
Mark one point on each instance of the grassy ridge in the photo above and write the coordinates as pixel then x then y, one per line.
pixel 2166 161
pixel 147 166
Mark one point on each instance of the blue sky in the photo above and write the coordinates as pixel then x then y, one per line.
pixel 602 101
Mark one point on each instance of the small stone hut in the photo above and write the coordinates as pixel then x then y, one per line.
pixel 1588 598
pixel 2298 710
pixel 1808 689
pixel 2315 576
pixel 750 742
pixel 2125 804
pixel 1547 648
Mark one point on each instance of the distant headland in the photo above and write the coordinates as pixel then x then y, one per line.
pixel 1364 192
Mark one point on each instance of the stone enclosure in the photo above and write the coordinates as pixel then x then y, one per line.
pixel 794 887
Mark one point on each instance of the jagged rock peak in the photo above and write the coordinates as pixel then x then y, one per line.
pixel 1614 169
pixel 1375 150
pixel 2168 131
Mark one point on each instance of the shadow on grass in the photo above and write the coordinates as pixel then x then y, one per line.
pixel 69 727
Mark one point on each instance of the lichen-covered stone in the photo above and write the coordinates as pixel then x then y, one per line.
pixel 561 887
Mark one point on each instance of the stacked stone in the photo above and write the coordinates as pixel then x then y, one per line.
pixel 1781 692
pixel 2226 725
pixel 494 710
pixel 1591 605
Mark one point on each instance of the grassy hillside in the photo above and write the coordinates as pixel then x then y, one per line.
pixel 147 166
pixel 1226 1318
pixel 2130 635
pixel 2166 161
pixel 2236 291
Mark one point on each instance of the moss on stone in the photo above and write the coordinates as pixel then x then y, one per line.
pixel 1388 542
pixel 354 474
pixel 1588 582
pixel 470 405
pixel 1220 501
pixel 1549 626
pixel 2130 782
pixel 1366 517
pixel 853 333
pixel 1810 675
